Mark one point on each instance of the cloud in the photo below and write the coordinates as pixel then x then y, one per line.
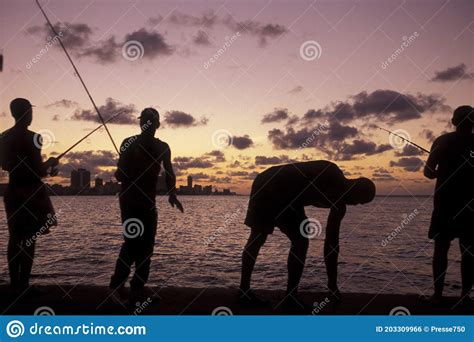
pixel 217 155
pixel 177 119
pixel 184 163
pixel 296 90
pixel 77 39
pixel 409 151
pixel 279 114
pixel 428 134
pixel 262 31
pixel 382 174
pixel 274 160
pixel 290 139
pixel 385 105
pixel 243 142
pixel 410 164
pixel 105 52
pixel 392 106
pixel 316 136
pixel 205 161
pixel 458 72
pixel 243 174
pixel 65 103
pixel 199 175
pixel 332 129
pixel 154 43
pixel 122 114
pixel 220 180
pixel 201 38
pixel 312 115
pixel 73 35
pixel 359 147
pixel 98 162
pixel 335 140
pixel 208 19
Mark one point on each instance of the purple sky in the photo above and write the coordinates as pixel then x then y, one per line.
pixel 401 65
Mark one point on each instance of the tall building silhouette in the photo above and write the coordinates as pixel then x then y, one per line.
pixel 190 182
pixel 80 179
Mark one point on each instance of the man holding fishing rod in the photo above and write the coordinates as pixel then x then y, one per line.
pixel 451 163
pixel 28 207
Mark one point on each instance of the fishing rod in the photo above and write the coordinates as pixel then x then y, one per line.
pixel 85 137
pixel 78 74
pixel 404 139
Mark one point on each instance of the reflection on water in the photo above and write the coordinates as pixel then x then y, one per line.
pixel 203 246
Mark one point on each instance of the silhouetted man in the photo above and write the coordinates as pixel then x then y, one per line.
pixel 451 162
pixel 27 204
pixel 138 169
pixel 277 199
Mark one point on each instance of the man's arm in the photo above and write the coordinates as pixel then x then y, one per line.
pixel 331 245
pixel 171 180
pixel 430 170
pixel 120 174
pixel 42 168
pixel 3 161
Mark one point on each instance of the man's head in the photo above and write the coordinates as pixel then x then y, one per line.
pixel 149 120
pixel 22 111
pixel 361 191
pixel 463 118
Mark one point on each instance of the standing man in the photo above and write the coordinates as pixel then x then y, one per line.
pixel 278 197
pixel 28 207
pixel 138 169
pixel 451 163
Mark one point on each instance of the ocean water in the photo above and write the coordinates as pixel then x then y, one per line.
pixel 203 246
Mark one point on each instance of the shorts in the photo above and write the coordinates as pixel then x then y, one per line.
pixel 264 219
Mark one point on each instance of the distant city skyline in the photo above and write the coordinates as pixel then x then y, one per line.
pixel 80 184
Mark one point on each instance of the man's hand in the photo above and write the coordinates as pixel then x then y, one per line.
pixel 173 200
pixel 50 168
pixel 430 173
pixel 51 162
pixel 53 172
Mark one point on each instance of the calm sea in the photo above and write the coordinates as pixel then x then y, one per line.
pixel 202 247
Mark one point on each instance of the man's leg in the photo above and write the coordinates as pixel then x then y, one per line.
pixel 26 262
pixel 249 257
pixel 142 265
pixel 13 257
pixel 296 257
pixel 144 251
pixel 122 266
pixel 467 265
pixel 440 265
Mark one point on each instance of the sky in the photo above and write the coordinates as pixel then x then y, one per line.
pixel 244 85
